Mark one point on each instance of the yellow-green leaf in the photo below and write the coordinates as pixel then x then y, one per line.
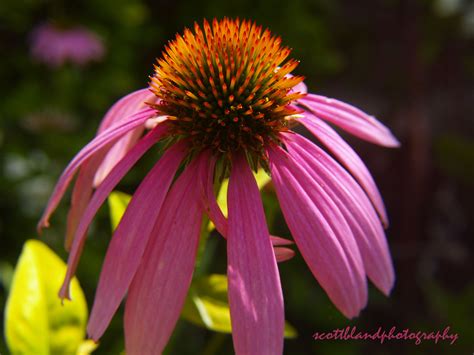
pixel 35 320
pixel 118 202
pixel 262 179
pixel 87 347
pixel 207 305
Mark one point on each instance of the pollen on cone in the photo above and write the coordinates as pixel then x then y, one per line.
pixel 246 93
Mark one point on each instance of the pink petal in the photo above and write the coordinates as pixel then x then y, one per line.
pixel 210 203
pixel 215 213
pixel 345 107
pixel 117 152
pixel 100 196
pixel 123 109
pixel 130 239
pixel 100 142
pixel 161 283
pixel 283 254
pixel 321 234
pixel 349 158
pixel 301 87
pixel 353 204
pixel 255 295
pixel 350 119
pixel 279 241
pixel 97 166
pixel 81 195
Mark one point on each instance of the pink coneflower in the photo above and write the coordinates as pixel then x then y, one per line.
pixel 54 46
pixel 223 102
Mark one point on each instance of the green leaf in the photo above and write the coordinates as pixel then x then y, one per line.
pixel 262 179
pixel 6 275
pixel 207 306
pixel 118 202
pixel 35 320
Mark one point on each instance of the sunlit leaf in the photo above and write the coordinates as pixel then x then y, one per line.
pixel 262 178
pixel 87 347
pixel 118 202
pixel 222 196
pixel 35 320
pixel 207 305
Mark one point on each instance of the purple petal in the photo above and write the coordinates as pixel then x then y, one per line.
pixel 159 287
pixel 255 296
pixel 130 239
pixel 350 119
pixel 100 196
pixel 321 234
pixel 349 158
pixel 102 141
pixel 353 204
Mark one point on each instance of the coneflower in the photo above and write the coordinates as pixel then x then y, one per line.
pixel 223 101
pixel 54 45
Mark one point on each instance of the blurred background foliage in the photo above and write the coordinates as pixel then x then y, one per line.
pixel 409 62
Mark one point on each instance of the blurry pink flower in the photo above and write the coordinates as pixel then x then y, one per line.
pixel 223 100
pixel 54 46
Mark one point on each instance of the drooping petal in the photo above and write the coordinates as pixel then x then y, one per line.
pixel 160 285
pixel 117 152
pixel 130 239
pixel 255 296
pixel 349 158
pixel 123 109
pixel 321 234
pixel 96 168
pixel 100 196
pixel 81 194
pixel 353 204
pixel 350 119
pixel 100 142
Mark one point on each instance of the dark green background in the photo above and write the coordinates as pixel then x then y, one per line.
pixel 409 62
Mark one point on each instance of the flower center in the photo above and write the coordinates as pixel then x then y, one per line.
pixel 225 87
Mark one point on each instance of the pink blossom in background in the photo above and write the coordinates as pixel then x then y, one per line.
pixel 55 46
pixel 223 99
